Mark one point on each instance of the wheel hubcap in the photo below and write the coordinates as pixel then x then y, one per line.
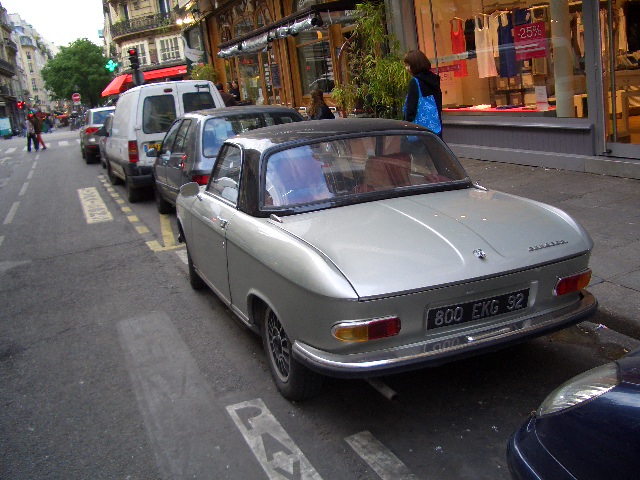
pixel 279 347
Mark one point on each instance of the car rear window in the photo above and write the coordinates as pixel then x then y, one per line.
pixel 100 117
pixel 197 101
pixel 158 113
pixel 355 166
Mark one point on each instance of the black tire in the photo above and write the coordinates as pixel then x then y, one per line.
pixel 133 194
pixel 113 180
pixel 88 158
pixel 195 280
pixel 164 207
pixel 294 381
pixel 84 154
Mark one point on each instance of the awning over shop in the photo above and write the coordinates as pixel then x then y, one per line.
pixel 115 87
pixel 305 19
pixel 119 83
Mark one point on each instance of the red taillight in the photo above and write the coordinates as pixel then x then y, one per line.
pixel 92 129
pixel 363 331
pixel 133 151
pixel 200 179
pixel 574 283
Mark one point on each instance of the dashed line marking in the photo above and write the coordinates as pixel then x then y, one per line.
pixel 142 229
pixel 63 143
pixel 94 208
pixel 277 453
pixel 1 240
pixel 12 213
pixel 133 218
pixel 23 190
pixel 379 458
pixel 10 150
pixel 30 175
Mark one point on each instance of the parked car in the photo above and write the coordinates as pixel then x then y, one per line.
pixel 589 427
pixel 93 120
pixel 191 145
pixel 103 133
pixel 142 117
pixel 360 247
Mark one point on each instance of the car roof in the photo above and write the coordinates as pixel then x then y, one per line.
pixel 100 109
pixel 308 131
pixel 242 110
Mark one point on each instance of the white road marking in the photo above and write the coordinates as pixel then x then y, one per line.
pixel 23 190
pixel 382 460
pixel 63 143
pixel 279 456
pixel 10 150
pixel 12 213
pixel 1 240
pixel 35 163
pixel 30 175
pixel 94 208
pixel 182 254
pixel 185 427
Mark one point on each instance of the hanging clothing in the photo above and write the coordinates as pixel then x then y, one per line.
pixel 522 16
pixel 507 51
pixel 470 37
pixel 458 45
pixel 484 48
pixel 494 25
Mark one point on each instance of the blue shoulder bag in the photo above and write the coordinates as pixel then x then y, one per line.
pixel 427 115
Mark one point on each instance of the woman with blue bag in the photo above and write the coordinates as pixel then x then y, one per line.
pixel 424 97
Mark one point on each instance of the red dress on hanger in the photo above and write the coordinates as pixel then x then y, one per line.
pixel 458 45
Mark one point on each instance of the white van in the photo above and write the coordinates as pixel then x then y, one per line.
pixel 141 119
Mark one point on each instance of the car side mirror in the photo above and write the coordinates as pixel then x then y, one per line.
pixel 189 189
pixel 152 153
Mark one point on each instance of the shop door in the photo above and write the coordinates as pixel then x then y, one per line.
pixel 620 35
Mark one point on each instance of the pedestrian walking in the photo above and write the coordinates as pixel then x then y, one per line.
pixel 318 110
pixel 423 104
pixel 31 133
pixel 235 90
pixel 37 125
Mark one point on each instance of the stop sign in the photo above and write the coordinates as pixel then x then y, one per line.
pixel 75 97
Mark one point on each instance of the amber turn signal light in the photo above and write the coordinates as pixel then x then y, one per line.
pixel 574 283
pixel 363 331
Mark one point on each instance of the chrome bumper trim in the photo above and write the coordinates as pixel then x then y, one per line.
pixel 434 352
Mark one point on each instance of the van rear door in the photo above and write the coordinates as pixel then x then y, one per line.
pixel 198 95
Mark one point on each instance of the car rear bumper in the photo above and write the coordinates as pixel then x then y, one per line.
pixel 443 349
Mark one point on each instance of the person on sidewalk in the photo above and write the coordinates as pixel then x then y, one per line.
pixel 318 110
pixel 227 98
pixel 37 125
pixel 31 133
pixel 426 82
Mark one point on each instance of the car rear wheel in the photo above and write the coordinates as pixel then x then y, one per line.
pixel 84 154
pixel 164 207
pixel 133 194
pixel 112 178
pixel 294 380
pixel 195 280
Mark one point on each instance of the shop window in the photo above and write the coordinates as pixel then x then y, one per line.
pixel 314 58
pixel 527 60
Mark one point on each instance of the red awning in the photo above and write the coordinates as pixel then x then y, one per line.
pixel 117 84
pixel 115 87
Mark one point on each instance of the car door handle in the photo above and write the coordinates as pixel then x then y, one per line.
pixel 222 222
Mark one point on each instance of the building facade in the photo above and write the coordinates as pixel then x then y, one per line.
pixel 10 91
pixel 523 81
pixel 152 28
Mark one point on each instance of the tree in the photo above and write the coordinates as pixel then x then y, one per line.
pixel 82 63
pixel 204 71
pixel 378 80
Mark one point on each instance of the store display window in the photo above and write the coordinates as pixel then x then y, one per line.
pixel 522 58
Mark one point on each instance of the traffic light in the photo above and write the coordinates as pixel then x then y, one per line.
pixel 133 58
pixel 21 105
pixel 111 65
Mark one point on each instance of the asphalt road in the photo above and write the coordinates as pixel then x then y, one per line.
pixel 111 366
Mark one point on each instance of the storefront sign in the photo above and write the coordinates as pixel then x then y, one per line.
pixel 446 68
pixel 530 41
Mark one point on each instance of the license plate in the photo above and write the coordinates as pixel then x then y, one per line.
pixel 477 310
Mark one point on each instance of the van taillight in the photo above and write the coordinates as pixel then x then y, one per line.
pixel 133 151
pixel 200 179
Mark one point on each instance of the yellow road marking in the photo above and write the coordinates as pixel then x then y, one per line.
pixel 167 234
pixel 142 229
pixel 94 208
pixel 133 218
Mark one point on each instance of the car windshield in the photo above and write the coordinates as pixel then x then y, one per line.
pixel 354 166
pixel 217 130
pixel 101 116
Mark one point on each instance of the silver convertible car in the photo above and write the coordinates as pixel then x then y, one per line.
pixel 360 247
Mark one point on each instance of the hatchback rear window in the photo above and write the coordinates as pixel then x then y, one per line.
pixel 100 117
pixel 197 101
pixel 158 113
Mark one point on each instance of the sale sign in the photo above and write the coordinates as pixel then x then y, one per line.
pixel 530 41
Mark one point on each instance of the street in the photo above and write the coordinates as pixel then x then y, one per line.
pixel 111 366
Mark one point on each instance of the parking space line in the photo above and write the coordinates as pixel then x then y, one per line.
pixel 12 213
pixel 277 453
pixel 378 457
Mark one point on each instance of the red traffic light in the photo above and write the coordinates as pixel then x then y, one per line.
pixel 20 105
pixel 133 51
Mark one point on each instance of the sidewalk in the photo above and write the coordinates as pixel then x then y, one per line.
pixel 607 207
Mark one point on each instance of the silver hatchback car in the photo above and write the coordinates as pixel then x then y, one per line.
pixel 89 141
pixel 191 145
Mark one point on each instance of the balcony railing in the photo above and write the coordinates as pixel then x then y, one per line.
pixel 7 68
pixel 149 22
pixel 11 44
